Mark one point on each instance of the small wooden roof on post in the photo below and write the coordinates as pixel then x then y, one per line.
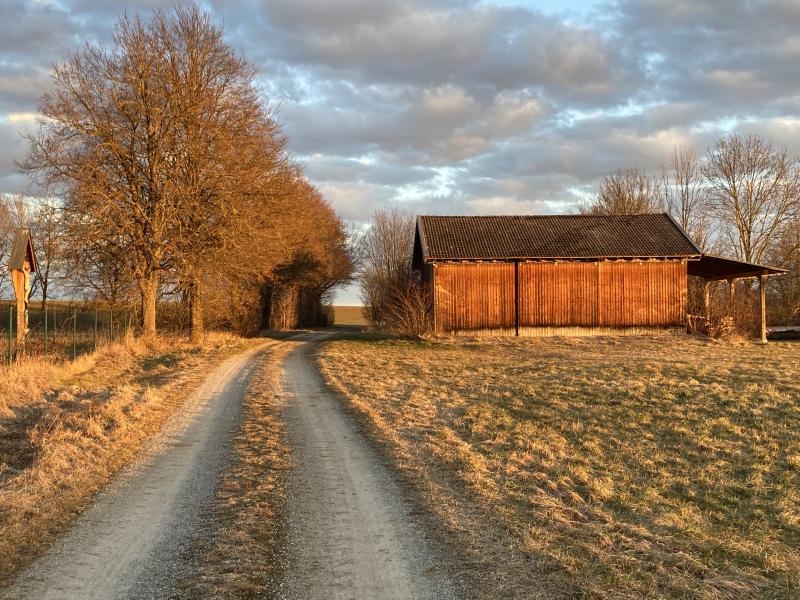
pixel 716 268
pixel 22 251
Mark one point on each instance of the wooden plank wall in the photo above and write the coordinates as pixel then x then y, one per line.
pixel 602 294
pixel 474 296
pixel 480 296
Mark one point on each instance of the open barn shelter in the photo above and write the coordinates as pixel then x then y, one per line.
pixel 564 274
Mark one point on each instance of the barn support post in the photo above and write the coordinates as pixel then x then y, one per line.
pixel 516 298
pixel 762 288
pixel 732 297
pixel 707 299
pixel 433 296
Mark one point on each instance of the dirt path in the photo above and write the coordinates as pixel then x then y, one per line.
pixel 350 530
pixel 128 544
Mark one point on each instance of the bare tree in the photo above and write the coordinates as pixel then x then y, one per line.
pixel 6 239
pixel 384 253
pixel 106 139
pixel 626 192
pixel 754 189
pixel 46 230
pixel 228 149
pixel 686 195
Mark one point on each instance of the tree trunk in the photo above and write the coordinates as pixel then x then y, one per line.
pixel 196 310
pixel 149 289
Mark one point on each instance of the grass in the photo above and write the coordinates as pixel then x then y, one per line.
pixel 348 315
pixel 66 428
pixel 239 559
pixel 608 467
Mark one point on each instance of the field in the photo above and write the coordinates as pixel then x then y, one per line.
pixel 635 467
pixel 348 315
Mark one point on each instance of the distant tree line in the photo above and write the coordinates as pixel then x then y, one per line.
pixel 167 177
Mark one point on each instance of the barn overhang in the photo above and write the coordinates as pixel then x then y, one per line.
pixel 716 268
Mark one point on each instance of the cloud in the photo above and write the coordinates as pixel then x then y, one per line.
pixel 467 106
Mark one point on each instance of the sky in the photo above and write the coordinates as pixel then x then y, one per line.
pixel 461 106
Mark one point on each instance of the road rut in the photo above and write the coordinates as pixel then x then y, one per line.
pixel 350 533
pixel 129 542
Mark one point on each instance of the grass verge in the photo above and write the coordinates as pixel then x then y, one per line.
pixel 607 467
pixel 65 429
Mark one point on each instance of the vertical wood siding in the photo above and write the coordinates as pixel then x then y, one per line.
pixel 480 296
pixel 474 296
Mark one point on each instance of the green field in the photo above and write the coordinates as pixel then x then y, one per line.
pixel 348 315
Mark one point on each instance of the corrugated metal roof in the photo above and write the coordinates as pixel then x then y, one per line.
pixel 19 250
pixel 550 236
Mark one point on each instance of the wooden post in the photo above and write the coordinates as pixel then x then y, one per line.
pixel 732 297
pixel 433 298
pixel 762 287
pixel 20 279
pixel 516 298
pixel 707 298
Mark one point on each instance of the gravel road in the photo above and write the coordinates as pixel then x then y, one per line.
pixel 129 542
pixel 350 530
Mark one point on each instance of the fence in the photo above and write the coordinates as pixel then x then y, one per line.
pixel 62 331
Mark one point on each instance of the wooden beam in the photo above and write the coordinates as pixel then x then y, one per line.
pixel 707 298
pixel 762 287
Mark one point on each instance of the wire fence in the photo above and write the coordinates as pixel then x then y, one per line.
pixel 62 332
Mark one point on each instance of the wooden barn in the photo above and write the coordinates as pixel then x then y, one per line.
pixel 564 274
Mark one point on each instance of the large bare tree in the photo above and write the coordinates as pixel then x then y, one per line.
pixel 229 152
pixel 626 192
pixel 754 190
pixel 106 139
pixel 686 195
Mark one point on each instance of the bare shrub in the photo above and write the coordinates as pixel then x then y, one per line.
pixel 388 283
pixel 407 309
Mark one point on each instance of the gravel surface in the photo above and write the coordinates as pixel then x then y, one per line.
pixel 350 529
pixel 128 544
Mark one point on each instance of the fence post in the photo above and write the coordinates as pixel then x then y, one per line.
pixel 45 330
pixel 74 332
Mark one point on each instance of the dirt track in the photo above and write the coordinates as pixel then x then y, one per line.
pixel 350 530
pixel 129 542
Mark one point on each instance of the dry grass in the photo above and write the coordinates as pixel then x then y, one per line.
pixel 239 559
pixel 348 315
pixel 636 467
pixel 66 429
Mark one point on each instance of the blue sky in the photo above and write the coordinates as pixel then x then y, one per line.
pixel 463 106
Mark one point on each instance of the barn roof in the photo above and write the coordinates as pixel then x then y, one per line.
pixel 21 250
pixel 550 237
